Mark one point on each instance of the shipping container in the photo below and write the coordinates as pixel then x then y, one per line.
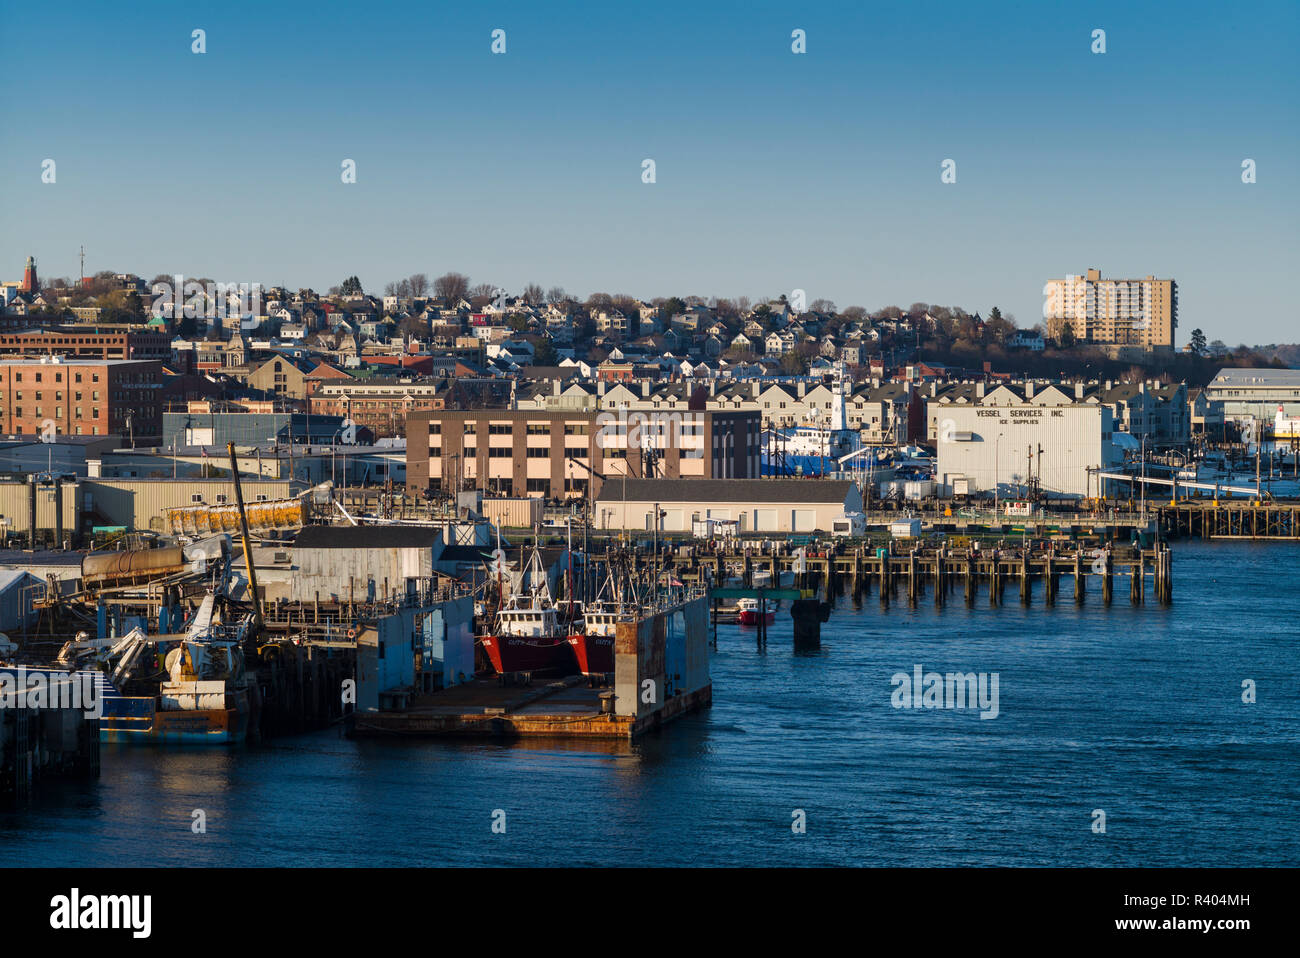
pixel 521 512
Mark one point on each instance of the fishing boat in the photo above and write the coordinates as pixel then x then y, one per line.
pixel 529 635
pixel 593 645
pixel 183 689
pixel 749 613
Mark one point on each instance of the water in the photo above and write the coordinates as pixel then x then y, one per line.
pixel 1137 712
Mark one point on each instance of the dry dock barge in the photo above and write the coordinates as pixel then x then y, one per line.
pixel 661 672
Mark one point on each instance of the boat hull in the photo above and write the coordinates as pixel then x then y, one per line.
pixel 509 653
pixel 594 653
pixel 751 617
pixel 137 719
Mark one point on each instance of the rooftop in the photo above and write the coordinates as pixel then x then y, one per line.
pixel 368 537
pixel 726 490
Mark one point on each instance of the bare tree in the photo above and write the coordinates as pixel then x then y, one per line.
pixel 419 283
pixel 555 294
pixel 533 294
pixel 451 286
pixel 482 294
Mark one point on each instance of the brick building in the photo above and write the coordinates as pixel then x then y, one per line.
pixel 76 342
pixel 81 397
pixel 556 454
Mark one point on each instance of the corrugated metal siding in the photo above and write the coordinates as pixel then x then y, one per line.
pixel 516 513
pixel 143 503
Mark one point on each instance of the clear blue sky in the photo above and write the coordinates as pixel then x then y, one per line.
pixel 775 171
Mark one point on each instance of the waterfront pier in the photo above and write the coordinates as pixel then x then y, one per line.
pixel 909 571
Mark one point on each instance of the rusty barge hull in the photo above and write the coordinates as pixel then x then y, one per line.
pixel 535 722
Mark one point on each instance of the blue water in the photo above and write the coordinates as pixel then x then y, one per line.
pixel 1137 712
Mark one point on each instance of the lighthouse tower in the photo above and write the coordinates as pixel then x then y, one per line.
pixel 30 285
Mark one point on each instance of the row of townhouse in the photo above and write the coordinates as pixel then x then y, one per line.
pixel 884 413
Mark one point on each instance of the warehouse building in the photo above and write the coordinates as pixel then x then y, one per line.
pixel 1255 393
pixel 1013 440
pixel 755 505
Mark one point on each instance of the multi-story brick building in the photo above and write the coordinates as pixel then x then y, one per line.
pixel 103 397
pixel 76 343
pixel 563 454
pixel 381 403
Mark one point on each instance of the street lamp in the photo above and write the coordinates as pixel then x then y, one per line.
pixel 997 471
pixel 1144 476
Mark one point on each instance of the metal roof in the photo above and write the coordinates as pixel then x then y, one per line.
pixel 368 537
pixel 726 490
pixel 1257 377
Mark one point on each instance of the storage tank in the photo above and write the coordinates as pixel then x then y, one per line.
pixel 132 563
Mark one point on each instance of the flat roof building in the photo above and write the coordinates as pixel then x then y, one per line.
pixel 1256 393
pixel 560 454
pixel 82 397
pixel 755 505
pixel 1127 312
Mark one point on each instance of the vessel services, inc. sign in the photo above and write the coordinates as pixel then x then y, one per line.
pixel 1022 417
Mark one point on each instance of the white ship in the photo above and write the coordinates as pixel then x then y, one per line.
pixel 1285 427
pixel 811 448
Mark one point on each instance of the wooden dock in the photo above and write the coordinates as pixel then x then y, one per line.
pixel 911 570
pixel 1250 519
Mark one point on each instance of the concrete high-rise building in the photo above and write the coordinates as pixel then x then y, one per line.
pixel 1122 312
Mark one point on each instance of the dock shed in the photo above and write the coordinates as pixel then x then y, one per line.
pixel 364 563
pixel 756 505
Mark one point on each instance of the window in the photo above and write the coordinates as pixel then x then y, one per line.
pixel 538 452
pixel 575 429
pixel 500 452
pixel 196 497
pixel 538 429
pixel 499 429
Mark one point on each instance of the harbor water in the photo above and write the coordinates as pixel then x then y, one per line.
pixel 1137 713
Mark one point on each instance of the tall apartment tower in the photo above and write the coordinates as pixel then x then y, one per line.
pixel 1125 312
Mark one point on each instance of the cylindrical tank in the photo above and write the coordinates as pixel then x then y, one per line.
pixel 131 562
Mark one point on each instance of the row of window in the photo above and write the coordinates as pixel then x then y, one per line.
pixel 507 429
pixel 94 430
pixel 58 396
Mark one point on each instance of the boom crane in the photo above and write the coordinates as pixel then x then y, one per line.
pixel 243 529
